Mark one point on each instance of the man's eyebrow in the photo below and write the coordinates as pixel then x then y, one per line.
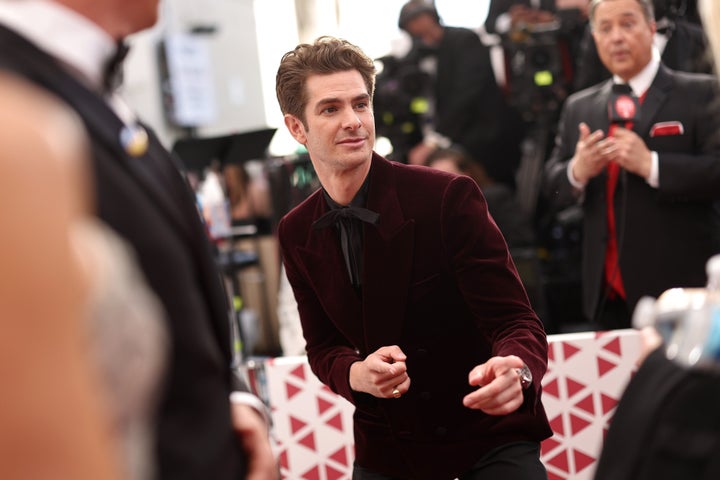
pixel 331 100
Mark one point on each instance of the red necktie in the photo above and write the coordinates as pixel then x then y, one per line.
pixel 612 262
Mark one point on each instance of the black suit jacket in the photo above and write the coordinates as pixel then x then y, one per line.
pixel 439 282
pixel 666 426
pixel 147 201
pixel 471 108
pixel 665 235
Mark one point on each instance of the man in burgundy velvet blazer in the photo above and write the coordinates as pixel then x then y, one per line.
pixel 436 308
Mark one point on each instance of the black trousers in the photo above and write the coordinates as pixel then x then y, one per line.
pixel 514 461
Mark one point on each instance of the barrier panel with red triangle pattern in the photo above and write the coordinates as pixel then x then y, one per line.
pixel 587 373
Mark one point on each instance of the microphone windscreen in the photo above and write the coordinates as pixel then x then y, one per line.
pixel 623 106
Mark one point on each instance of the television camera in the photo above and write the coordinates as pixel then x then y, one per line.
pixel 401 103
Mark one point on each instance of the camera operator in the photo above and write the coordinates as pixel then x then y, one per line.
pixel 539 35
pixel 465 106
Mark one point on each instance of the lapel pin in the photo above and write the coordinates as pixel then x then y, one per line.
pixel 134 139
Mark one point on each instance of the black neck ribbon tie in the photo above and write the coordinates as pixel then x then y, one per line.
pixel 350 235
pixel 336 214
pixel 113 73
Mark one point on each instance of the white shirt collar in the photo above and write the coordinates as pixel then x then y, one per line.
pixel 642 81
pixel 63 33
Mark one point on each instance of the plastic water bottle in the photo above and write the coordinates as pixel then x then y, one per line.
pixel 688 319
pixel 215 206
pixel 712 344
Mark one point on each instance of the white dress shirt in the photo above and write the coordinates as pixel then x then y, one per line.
pixel 66 35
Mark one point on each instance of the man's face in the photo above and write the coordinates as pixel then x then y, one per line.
pixel 624 37
pixel 426 29
pixel 339 127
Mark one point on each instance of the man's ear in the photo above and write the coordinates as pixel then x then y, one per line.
pixel 296 128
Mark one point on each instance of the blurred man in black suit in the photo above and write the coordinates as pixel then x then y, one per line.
pixel 65 47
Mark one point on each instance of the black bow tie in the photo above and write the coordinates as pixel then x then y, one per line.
pixel 113 73
pixel 352 211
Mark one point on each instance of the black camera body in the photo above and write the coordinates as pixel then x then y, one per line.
pixel 401 103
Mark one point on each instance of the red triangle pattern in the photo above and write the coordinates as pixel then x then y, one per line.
pixel 296 424
pixel 291 390
pixel 335 422
pixel 564 460
pixel 283 460
pixel 603 333
pixel 323 405
pixel 559 461
pixel 548 445
pixel 552 388
pixel 586 405
pixel 340 457
pixel 312 474
pixel 556 424
pixel 582 461
pixel 299 371
pixel 308 441
pixel 333 474
pixel 614 346
pixel 608 403
pixel 573 386
pixel 605 366
pixel 569 350
pixel 577 424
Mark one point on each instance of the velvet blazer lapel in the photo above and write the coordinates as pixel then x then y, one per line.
pixel 374 320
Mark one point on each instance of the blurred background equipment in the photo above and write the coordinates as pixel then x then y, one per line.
pixel 228 174
pixel 402 95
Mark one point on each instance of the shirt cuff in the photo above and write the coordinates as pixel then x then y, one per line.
pixel 246 398
pixel 575 183
pixel 654 178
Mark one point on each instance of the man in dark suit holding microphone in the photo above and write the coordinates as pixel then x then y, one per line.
pixel 647 177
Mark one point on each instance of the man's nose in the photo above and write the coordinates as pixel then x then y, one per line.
pixel 352 120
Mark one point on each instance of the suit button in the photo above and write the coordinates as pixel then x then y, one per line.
pixel 440 431
pixel 426 396
pixel 422 353
pixel 405 434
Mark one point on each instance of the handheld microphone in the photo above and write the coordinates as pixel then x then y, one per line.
pixel 623 106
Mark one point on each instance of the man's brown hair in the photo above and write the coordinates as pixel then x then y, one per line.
pixel 325 56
